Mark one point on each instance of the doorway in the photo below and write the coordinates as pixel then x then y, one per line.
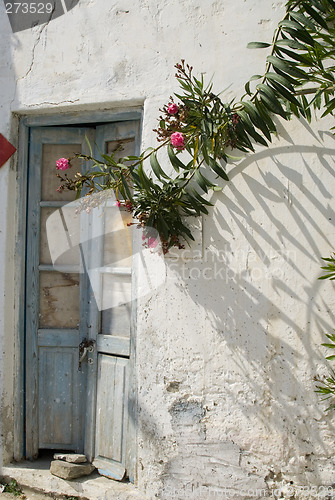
pixel 79 319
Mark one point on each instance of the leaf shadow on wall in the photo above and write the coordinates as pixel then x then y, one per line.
pixel 266 310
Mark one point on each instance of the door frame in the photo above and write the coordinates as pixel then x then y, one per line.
pixel 25 123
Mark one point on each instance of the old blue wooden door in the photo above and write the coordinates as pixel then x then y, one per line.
pixel 78 288
pixel 55 294
pixel 112 321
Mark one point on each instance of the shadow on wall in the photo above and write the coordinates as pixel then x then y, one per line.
pixel 27 16
pixel 256 419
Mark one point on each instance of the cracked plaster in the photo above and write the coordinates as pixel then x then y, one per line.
pixel 228 345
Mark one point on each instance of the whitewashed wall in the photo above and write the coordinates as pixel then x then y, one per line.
pixel 228 345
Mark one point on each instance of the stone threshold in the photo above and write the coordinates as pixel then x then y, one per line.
pixel 36 475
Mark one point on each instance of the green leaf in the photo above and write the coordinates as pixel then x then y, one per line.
pixel 109 159
pixel 289 24
pixel 306 60
pixel 245 121
pixel 294 81
pixel 329 108
pixel 301 35
pixel 131 158
pixel 234 158
pixel 314 14
pixel 247 85
pixel 126 187
pixel 269 91
pixel 286 94
pixel 250 109
pixel 257 137
pixel 196 204
pixel 200 181
pixel 250 129
pixel 286 67
pixel 176 163
pixel 159 172
pixel 89 145
pixel 272 105
pixel 184 85
pixel 293 44
pixel 297 16
pixel 136 178
pixel 218 169
pixel 184 230
pixel 242 136
pixel 205 153
pixel 200 198
pixel 144 179
pixel 162 226
pixel 321 5
pixel 255 118
pixel 279 78
pixel 305 106
pixel 257 45
pixel 265 115
pixel 327 276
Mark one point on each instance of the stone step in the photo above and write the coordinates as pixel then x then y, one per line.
pixel 36 476
pixel 69 471
pixel 73 458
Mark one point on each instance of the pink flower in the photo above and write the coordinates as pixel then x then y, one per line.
pixel 152 242
pixel 118 203
pixel 177 140
pixel 149 241
pixel 172 109
pixel 62 164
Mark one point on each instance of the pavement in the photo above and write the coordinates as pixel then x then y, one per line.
pixel 27 494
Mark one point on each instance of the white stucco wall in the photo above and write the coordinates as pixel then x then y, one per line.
pixel 228 345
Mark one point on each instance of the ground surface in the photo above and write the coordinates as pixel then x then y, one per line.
pixel 28 495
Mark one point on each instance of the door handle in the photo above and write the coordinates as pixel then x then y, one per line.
pixel 85 347
pixel 84 354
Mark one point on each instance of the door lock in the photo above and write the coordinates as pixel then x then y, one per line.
pixel 85 347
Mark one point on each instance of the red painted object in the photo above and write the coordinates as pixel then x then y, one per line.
pixel 6 150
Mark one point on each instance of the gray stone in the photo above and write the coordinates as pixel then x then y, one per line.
pixel 66 470
pixel 73 458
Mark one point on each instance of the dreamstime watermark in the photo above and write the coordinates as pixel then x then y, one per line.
pixel 28 14
pixel 283 490
pixel 226 266
pixel 217 271
pixel 226 256
pixel 100 233
pixel 98 241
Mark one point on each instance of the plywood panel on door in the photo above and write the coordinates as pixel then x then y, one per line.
pixel 112 416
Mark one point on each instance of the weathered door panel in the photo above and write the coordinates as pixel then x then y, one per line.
pixel 60 421
pixel 111 279
pixel 112 416
pixel 55 299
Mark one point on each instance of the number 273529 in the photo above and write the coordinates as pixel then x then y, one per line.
pixel 29 8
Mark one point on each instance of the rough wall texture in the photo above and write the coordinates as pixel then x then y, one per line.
pixel 228 345
pixel 234 368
